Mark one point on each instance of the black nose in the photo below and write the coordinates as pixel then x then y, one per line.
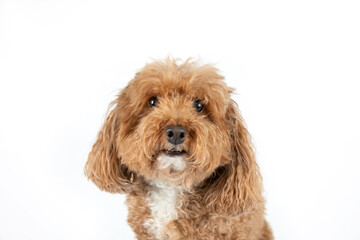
pixel 175 134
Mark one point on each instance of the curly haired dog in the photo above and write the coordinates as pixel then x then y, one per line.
pixel 174 142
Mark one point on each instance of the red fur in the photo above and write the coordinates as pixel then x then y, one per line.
pixel 222 185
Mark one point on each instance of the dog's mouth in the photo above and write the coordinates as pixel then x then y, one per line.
pixel 174 152
pixel 172 160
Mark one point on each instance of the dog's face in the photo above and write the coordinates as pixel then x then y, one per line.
pixel 175 124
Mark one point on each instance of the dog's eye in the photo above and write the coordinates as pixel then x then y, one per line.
pixel 199 107
pixel 153 101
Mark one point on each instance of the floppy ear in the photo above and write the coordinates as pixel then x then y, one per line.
pixel 237 186
pixel 104 166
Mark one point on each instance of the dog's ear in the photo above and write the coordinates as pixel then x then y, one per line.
pixel 236 186
pixel 104 165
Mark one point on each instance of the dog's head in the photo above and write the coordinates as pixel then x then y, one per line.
pixel 177 124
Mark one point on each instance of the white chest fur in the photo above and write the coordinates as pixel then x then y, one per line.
pixel 162 201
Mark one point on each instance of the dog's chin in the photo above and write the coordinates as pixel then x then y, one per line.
pixel 173 161
pixel 169 166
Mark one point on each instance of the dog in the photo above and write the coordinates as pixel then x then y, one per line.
pixel 174 142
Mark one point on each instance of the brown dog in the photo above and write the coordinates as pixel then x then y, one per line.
pixel 175 143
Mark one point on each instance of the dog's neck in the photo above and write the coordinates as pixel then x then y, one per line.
pixel 163 203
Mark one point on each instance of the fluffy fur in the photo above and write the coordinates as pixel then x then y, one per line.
pixel 213 190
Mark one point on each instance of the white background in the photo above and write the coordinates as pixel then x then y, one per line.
pixel 295 65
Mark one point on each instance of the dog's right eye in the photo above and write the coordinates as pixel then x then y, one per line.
pixel 199 107
pixel 153 101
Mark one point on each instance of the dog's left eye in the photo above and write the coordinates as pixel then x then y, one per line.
pixel 153 101
pixel 199 107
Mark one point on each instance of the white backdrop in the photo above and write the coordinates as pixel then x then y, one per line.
pixel 295 65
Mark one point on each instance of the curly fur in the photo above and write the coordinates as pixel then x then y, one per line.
pixel 214 191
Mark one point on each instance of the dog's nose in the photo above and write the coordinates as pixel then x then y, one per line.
pixel 175 134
